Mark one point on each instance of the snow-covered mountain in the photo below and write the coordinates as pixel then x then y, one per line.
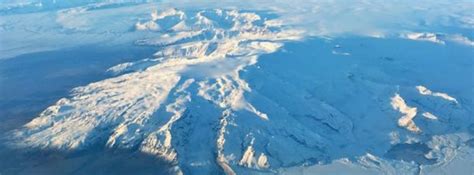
pixel 256 90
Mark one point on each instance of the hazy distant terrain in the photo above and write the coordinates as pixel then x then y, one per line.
pixel 259 87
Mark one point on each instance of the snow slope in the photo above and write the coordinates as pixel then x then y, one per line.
pixel 356 97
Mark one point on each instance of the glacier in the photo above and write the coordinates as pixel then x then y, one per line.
pixel 329 87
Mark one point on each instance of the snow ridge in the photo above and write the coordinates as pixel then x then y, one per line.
pixel 409 113
pixel 425 91
pixel 439 38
